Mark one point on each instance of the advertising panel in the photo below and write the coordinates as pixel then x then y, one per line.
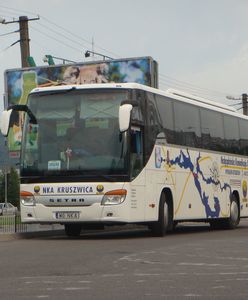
pixel 19 82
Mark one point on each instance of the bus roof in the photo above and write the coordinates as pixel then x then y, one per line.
pixel 172 93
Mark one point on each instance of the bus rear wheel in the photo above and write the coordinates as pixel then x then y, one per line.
pixel 73 230
pixel 234 218
pixel 161 227
pixel 232 221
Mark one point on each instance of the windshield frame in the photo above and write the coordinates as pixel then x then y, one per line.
pixel 72 175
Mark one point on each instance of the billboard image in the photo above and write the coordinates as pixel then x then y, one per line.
pixel 19 82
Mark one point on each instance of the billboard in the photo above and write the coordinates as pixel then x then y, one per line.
pixel 19 82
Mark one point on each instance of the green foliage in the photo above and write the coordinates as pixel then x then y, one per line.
pixel 1 187
pixel 13 188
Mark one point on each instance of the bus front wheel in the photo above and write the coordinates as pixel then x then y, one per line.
pixel 161 227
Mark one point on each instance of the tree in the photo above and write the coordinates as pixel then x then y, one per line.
pixel 13 188
pixel 1 187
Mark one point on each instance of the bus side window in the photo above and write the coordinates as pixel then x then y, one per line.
pixel 232 137
pixel 212 130
pixel 166 116
pixel 243 137
pixel 153 124
pixel 187 125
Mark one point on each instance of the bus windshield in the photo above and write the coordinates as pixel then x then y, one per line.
pixel 77 133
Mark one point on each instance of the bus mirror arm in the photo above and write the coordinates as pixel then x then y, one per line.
pixel 134 103
pixel 124 116
pixel 24 108
pixel 6 117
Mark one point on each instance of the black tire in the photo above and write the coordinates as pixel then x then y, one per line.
pixel 162 226
pixel 233 221
pixel 234 218
pixel 216 224
pixel 73 230
pixel 174 225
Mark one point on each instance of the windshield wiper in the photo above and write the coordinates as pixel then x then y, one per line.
pixel 107 177
pixel 104 176
pixel 42 94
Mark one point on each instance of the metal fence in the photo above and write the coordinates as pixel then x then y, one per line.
pixel 10 224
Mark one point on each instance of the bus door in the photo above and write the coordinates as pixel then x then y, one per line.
pixel 137 173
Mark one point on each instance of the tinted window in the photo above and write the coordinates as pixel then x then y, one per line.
pixel 231 126
pixel 153 127
pixel 243 125
pixel 187 125
pixel 166 117
pixel 212 130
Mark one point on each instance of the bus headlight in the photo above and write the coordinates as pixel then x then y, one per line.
pixel 114 197
pixel 27 198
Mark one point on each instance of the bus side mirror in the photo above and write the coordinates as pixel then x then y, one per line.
pixel 6 117
pixel 124 117
pixel 5 122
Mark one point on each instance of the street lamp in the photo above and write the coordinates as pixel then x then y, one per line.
pixel 49 59
pixel 88 53
pixel 2 20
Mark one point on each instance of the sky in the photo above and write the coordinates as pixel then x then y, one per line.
pixel 201 46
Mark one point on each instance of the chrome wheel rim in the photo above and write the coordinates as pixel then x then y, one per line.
pixel 234 213
pixel 166 215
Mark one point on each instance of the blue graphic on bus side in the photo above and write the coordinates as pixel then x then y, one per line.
pixel 184 161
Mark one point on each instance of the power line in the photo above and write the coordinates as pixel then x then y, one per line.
pixel 192 86
pixel 5 49
pixel 37 44
pixel 62 28
pixel 55 39
pixel 18 10
pixel 169 84
pixel 3 14
pixel 61 34
pixel 165 79
pixel 236 104
pixel 193 89
pixel 9 33
pixel 194 92
pixel 79 37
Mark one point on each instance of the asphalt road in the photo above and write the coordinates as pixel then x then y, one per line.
pixel 192 263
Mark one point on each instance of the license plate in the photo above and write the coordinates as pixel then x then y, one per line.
pixel 68 215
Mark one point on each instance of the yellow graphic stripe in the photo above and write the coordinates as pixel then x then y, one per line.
pixel 234 167
pixel 169 169
pixel 184 188
pixel 186 183
pixel 205 158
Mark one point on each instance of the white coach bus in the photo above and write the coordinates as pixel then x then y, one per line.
pixel 106 154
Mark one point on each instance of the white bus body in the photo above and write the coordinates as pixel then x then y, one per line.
pixel 184 173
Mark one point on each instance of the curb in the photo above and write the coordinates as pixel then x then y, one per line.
pixel 61 232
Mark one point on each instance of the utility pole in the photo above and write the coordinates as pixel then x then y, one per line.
pixel 24 40
pixel 244 98
pixel 24 37
pixel 245 104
